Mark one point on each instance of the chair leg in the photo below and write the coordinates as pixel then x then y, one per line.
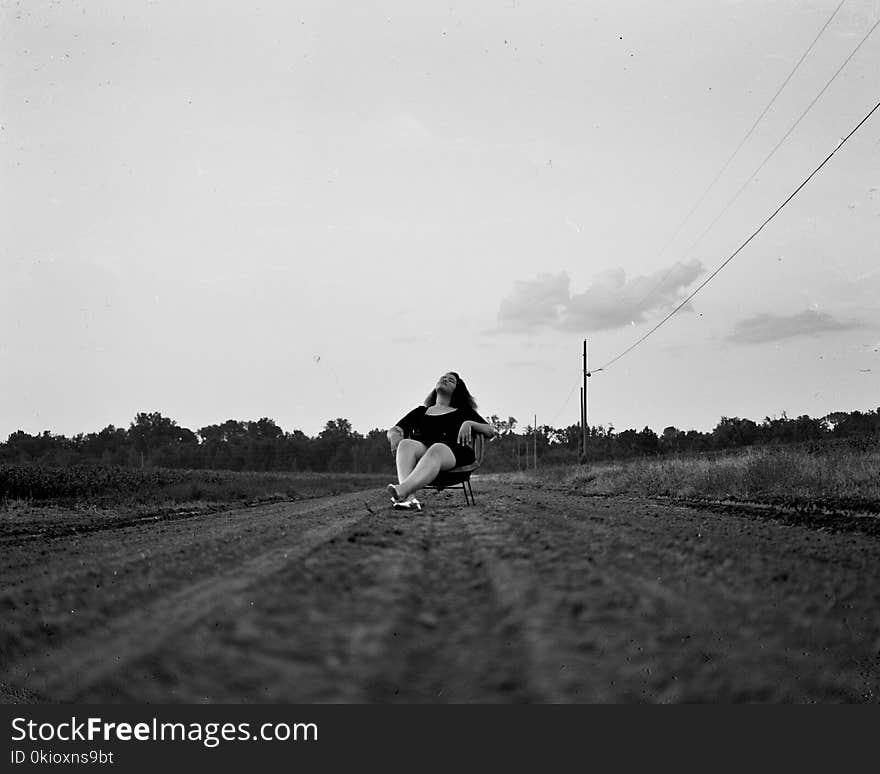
pixel 470 488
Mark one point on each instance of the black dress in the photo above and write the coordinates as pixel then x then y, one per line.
pixel 441 428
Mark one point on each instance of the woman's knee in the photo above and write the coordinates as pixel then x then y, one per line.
pixel 410 446
pixel 442 453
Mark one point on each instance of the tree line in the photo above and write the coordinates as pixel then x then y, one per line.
pixel 604 442
pixel 154 440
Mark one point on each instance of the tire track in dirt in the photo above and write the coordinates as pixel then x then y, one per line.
pixel 107 646
pixel 457 642
pixel 782 599
pixel 565 605
pixel 314 630
pixel 396 608
pixel 693 618
pixel 14 535
pixel 518 592
pixel 63 587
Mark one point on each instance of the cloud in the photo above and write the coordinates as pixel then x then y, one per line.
pixel 535 303
pixel 611 301
pixel 767 327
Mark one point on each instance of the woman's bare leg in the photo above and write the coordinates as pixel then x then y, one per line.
pixel 438 457
pixel 409 452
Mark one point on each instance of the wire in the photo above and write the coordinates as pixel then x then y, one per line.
pixel 740 248
pixel 766 159
pixel 565 403
pixel 747 135
pixel 778 144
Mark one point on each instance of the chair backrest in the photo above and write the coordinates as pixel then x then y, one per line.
pixel 479 448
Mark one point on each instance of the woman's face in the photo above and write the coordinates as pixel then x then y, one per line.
pixel 447 383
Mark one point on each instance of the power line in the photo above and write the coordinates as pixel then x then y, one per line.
pixel 751 130
pixel 740 248
pixel 766 159
pixel 564 404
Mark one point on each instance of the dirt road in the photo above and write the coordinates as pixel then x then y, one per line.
pixel 533 595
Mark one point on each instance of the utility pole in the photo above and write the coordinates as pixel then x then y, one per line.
pixel 535 441
pixel 583 424
pixel 585 397
pixel 586 389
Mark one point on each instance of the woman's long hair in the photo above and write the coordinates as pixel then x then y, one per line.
pixel 460 398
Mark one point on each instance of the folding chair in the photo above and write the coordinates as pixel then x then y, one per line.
pixel 461 476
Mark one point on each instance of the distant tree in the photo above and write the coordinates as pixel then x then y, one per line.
pixel 671 439
pixel 110 446
pixel 627 442
pixel 857 423
pixel 264 429
pixel 570 437
pixel 44 447
pixel 376 455
pixel 151 432
pixel 335 445
pixel 733 431
pixel 805 428
pixel 694 441
pixel 835 419
pixel 230 430
pixel 647 441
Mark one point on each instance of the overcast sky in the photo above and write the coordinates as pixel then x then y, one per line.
pixel 311 210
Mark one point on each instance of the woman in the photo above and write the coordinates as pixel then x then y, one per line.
pixel 433 437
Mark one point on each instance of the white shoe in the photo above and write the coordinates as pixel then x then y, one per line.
pixel 407 505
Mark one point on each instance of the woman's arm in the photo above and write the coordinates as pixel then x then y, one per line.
pixel 404 427
pixel 483 428
pixel 395 436
pixel 469 427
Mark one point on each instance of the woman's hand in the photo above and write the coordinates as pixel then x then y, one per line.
pixel 466 433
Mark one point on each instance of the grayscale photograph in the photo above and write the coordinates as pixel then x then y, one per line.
pixel 408 352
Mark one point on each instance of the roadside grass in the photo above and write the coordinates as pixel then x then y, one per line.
pixel 824 477
pixel 102 486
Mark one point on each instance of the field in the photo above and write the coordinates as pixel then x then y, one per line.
pixel 549 589
pixel 823 476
